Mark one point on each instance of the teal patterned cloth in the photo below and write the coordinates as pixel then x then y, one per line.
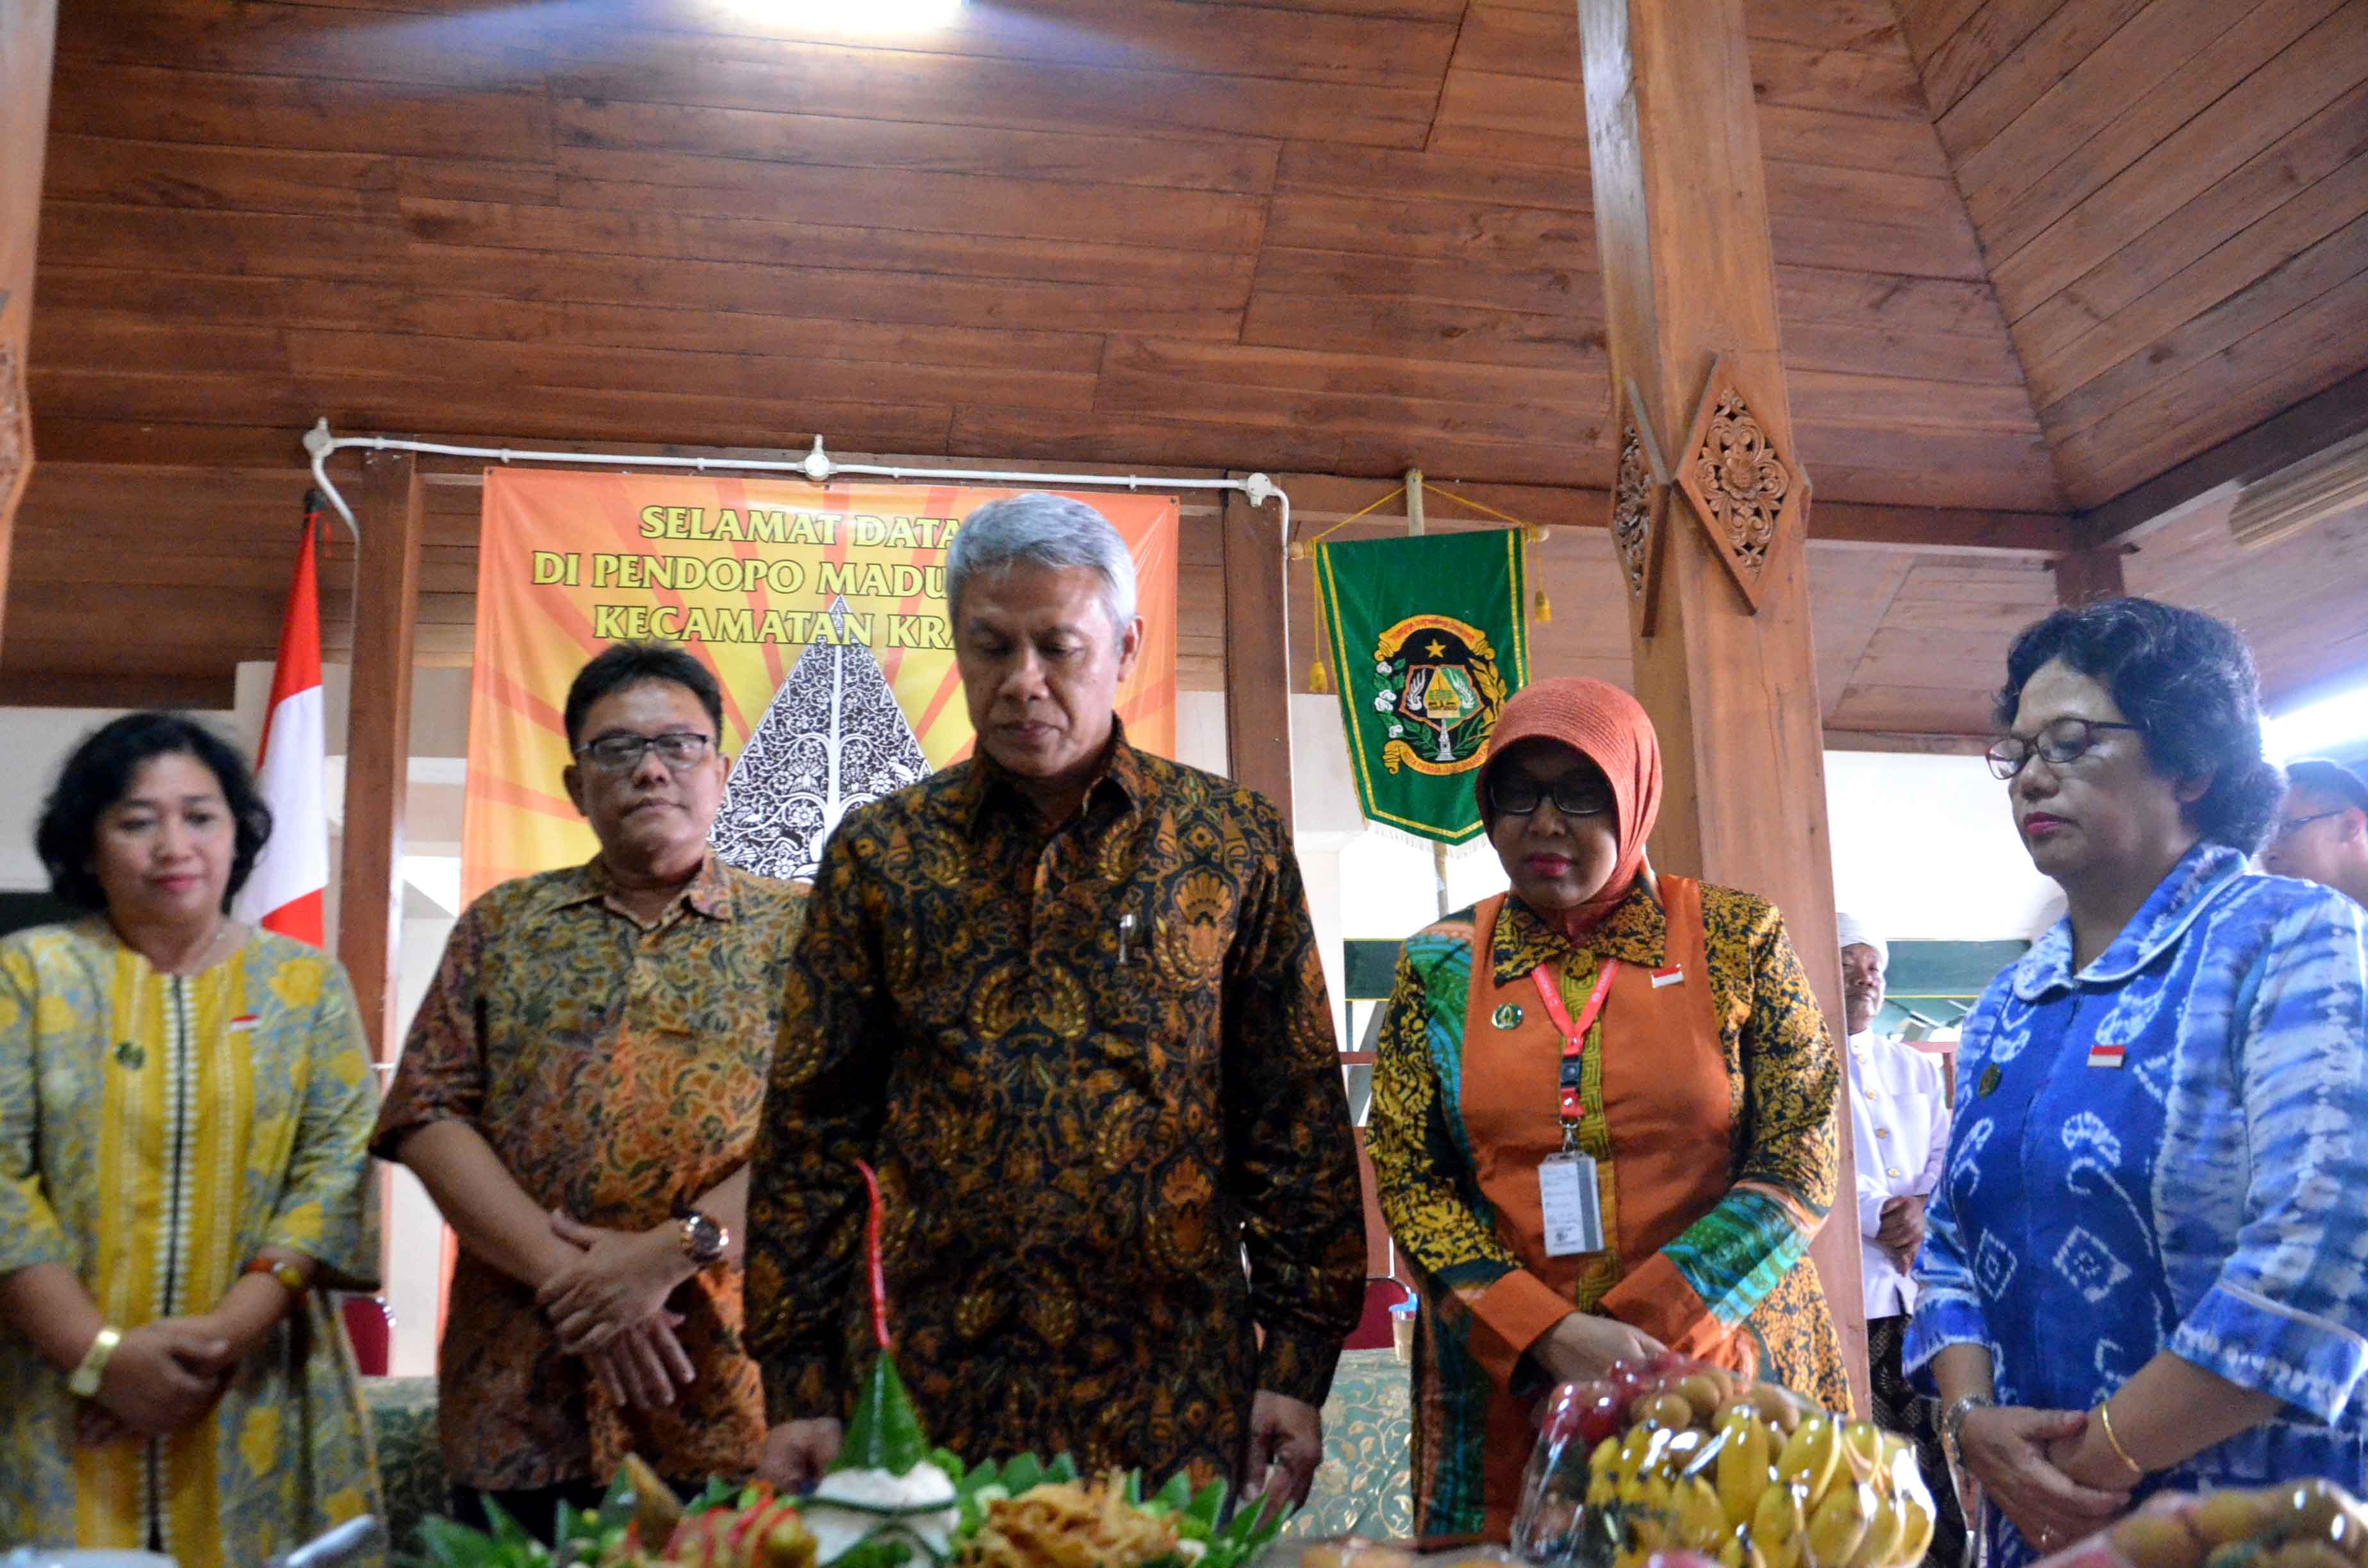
pixel 1361 1488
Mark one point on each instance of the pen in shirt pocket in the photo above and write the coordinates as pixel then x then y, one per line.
pixel 1126 937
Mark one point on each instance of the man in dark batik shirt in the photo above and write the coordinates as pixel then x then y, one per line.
pixel 1065 997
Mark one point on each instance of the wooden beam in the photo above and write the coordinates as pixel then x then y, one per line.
pixel 1915 745
pixel 378 740
pixel 2087 575
pixel 28 37
pixel 2316 422
pixel 1318 499
pixel 1681 226
pixel 1257 654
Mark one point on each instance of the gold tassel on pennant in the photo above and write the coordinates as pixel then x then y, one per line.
pixel 1317 681
pixel 1544 614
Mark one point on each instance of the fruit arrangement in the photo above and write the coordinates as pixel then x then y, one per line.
pixel 1683 1457
pixel 2308 1524
pixel 888 1501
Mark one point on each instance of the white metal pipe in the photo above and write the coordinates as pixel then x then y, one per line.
pixel 815 465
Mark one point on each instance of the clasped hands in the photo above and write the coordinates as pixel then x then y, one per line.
pixel 2051 1472
pixel 609 1304
pixel 164 1375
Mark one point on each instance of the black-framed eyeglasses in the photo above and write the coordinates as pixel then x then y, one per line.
pixel 622 753
pixel 2061 741
pixel 2292 826
pixel 1574 794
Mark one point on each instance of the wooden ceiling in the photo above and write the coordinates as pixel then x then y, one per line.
pixel 1328 237
pixel 2172 201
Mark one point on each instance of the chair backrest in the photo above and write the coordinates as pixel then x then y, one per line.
pixel 372 1330
pixel 1372 1331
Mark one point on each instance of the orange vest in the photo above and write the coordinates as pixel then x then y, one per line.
pixel 1662 1142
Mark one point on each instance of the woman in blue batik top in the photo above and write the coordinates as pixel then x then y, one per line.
pixel 2146 1266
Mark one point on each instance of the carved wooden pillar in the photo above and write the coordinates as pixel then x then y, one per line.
pixel 1257 661
pixel 1712 505
pixel 28 36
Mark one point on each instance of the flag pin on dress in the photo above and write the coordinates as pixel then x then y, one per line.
pixel 1673 975
pixel 2103 1055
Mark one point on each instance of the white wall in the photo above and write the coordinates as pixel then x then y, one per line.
pixel 39 738
pixel 1925 847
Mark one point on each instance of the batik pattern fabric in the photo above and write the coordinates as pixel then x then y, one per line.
pixel 156 1132
pixel 617 1069
pixel 1744 1261
pixel 2163 1153
pixel 1094 1067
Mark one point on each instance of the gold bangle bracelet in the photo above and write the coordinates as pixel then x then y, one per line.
pixel 2105 1420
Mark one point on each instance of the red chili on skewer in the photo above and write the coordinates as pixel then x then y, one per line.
pixel 871 1243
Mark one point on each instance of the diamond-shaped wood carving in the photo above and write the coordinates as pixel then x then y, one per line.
pixel 1748 493
pixel 1640 498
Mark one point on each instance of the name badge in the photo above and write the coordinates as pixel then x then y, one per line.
pixel 1572 1204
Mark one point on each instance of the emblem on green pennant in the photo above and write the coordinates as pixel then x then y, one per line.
pixel 1505 1016
pixel 1429 637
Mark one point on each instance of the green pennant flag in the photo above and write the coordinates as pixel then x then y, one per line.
pixel 1428 639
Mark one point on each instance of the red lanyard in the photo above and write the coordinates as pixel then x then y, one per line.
pixel 1573 1039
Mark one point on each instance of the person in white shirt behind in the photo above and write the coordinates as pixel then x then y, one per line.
pixel 1899 1127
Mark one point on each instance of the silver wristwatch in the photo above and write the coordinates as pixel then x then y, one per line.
pixel 1952 1421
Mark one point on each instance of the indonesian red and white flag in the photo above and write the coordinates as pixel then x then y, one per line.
pixel 284 893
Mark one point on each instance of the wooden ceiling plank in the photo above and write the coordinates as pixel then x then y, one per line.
pixel 2028 79
pixel 1339 169
pixel 2075 219
pixel 1510 41
pixel 1857 296
pixel 2314 423
pixel 1922 710
pixel 228 302
pixel 1012 95
pixel 1907 402
pixel 1802 133
pixel 1824 76
pixel 66 336
pixel 2288 287
pixel 2258 256
pixel 1216 277
pixel 177 240
pixel 1213 163
pixel 2298 355
pixel 1080 213
pixel 1904 352
pixel 1928 451
pixel 494 48
pixel 1418 329
pixel 1985 37
pixel 1467 232
pixel 537 366
pixel 1890 479
pixel 1928 24
pixel 1870 26
pixel 1559 287
pixel 299 114
pixel 1572 391
pixel 1210 38
pixel 2280 173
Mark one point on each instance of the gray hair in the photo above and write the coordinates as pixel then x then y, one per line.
pixel 1039 529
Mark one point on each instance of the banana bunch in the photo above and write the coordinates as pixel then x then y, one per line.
pixel 1759 1489
pixel 2310 1524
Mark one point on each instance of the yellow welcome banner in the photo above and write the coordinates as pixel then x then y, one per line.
pixel 821 608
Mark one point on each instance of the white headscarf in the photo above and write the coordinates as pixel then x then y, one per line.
pixel 1857 933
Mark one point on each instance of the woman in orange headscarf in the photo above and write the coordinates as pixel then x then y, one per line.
pixel 1602 1114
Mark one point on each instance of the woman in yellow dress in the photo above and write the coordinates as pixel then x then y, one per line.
pixel 185 1103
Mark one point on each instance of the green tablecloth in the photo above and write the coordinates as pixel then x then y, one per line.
pixel 1362 1485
